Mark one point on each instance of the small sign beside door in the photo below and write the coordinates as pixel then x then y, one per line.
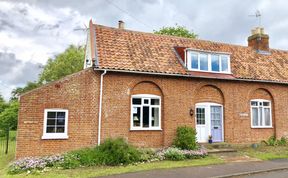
pixel 243 114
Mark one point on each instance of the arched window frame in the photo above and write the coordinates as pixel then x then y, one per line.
pixel 259 115
pixel 145 97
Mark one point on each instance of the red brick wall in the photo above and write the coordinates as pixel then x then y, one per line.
pixel 181 94
pixel 80 95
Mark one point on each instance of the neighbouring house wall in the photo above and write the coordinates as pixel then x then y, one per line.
pixel 79 93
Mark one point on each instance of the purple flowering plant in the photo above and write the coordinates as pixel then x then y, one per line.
pixel 34 163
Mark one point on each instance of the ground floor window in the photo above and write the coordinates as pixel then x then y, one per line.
pixel 261 116
pixel 145 112
pixel 55 124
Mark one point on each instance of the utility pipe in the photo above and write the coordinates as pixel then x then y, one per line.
pixel 100 106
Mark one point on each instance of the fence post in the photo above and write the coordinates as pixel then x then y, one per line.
pixel 7 141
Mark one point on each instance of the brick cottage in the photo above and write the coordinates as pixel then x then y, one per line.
pixel 142 86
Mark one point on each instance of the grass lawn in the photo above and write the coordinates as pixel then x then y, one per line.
pixel 102 171
pixel 266 152
pixel 5 159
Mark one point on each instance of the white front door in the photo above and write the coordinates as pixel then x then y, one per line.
pixel 209 121
pixel 201 123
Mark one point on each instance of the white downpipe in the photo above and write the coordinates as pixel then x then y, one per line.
pixel 100 106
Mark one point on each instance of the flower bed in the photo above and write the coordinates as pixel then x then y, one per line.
pixel 35 163
pixel 112 152
pixel 173 153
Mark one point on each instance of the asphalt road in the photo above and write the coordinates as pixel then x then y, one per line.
pixel 274 174
pixel 229 169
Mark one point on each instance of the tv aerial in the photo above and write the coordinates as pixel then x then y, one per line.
pixel 258 16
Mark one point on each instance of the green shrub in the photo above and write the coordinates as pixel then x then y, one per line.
pixel 185 138
pixel 282 141
pixel 174 154
pixel 111 152
pixel 83 157
pixel 71 161
pixel 272 141
pixel 87 156
pixel 114 152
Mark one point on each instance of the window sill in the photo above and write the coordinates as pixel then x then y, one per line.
pixel 54 137
pixel 148 129
pixel 268 127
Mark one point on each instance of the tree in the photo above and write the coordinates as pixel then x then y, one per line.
pixel 68 62
pixel 3 104
pixel 9 117
pixel 180 31
pixel 20 90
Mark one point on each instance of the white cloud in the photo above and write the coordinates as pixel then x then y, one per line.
pixel 35 33
pixel 15 73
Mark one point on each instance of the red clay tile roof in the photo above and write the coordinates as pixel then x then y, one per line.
pixel 146 52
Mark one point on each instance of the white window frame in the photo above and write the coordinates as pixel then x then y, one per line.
pixel 55 135
pixel 143 97
pixel 263 116
pixel 209 54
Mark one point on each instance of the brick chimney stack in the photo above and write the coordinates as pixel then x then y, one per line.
pixel 258 40
pixel 121 24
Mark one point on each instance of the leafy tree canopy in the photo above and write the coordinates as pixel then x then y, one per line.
pixel 68 62
pixel 1 99
pixel 3 104
pixel 180 31
pixel 8 118
pixel 19 90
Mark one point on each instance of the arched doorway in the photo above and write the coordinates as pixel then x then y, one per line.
pixel 209 122
pixel 209 117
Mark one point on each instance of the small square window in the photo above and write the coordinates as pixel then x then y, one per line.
pixel 55 124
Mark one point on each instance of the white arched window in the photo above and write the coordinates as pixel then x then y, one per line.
pixel 261 115
pixel 145 112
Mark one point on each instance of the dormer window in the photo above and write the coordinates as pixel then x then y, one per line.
pixel 208 62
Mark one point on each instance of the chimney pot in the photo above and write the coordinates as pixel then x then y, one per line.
pixel 262 30
pixel 121 24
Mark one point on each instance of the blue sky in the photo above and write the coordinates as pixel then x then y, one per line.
pixel 31 31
